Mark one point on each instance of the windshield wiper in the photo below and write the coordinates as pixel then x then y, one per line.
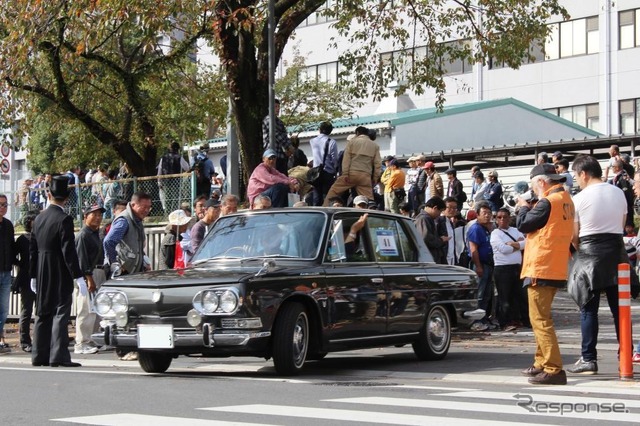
pixel 267 256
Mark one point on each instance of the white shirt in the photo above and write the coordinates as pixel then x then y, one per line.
pixel 600 209
pixel 451 257
pixel 503 254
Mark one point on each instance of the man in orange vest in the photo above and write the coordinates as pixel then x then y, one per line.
pixel 549 229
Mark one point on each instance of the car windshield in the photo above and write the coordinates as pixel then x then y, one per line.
pixel 277 234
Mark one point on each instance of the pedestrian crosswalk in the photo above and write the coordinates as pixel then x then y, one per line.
pixel 416 406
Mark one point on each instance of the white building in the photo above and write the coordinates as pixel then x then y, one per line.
pixel 589 76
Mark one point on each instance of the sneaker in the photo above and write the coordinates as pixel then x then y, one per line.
pixel 531 371
pixel 549 379
pixel 106 348
pixel 85 350
pixel 510 327
pixel 479 326
pixel 584 367
pixel 5 349
pixel 26 347
pixel 130 356
pixel 636 358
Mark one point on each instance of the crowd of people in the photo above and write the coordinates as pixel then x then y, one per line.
pixel 520 261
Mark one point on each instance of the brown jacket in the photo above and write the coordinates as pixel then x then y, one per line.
pixel 362 155
pixel 436 187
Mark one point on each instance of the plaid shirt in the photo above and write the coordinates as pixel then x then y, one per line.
pixel 281 140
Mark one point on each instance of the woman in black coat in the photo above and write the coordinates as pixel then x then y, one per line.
pixel 27 297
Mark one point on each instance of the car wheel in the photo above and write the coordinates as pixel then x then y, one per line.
pixel 154 362
pixel 435 337
pixel 290 339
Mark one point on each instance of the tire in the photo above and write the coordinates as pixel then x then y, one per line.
pixel 290 339
pixel 435 337
pixel 154 362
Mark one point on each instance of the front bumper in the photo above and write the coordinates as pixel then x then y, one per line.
pixel 184 338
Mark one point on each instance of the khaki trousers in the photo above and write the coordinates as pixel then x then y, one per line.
pixel 359 180
pixel 547 350
pixel 87 321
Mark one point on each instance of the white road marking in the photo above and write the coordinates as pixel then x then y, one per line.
pixel 429 388
pixel 353 415
pixel 509 396
pixel 474 407
pixel 127 419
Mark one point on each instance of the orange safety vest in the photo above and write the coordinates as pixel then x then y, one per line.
pixel 546 255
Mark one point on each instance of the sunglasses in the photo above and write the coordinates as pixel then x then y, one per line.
pixel 4 204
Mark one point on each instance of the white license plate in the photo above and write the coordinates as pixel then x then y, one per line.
pixel 155 336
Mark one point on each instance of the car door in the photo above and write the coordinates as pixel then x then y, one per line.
pixel 405 277
pixel 354 285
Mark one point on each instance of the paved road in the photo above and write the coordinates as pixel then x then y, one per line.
pixel 478 383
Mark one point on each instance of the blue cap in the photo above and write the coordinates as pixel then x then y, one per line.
pixel 269 153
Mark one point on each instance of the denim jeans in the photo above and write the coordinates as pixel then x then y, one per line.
pixel 485 289
pixel 589 321
pixel 278 194
pixel 5 295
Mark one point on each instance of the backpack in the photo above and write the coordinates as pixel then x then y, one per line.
pixel 199 160
pixel 170 164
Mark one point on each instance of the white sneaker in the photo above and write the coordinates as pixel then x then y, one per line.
pixel 85 350
pixel 130 356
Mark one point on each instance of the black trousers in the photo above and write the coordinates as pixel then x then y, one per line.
pixel 27 297
pixel 51 334
pixel 509 286
pixel 322 187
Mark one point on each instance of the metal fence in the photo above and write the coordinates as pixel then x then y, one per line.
pixel 153 242
pixel 167 192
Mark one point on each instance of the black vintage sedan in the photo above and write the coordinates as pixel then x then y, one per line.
pixel 292 285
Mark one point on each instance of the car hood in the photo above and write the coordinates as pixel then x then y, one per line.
pixel 193 276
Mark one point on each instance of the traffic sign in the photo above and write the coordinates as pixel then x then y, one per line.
pixel 5 166
pixel 5 150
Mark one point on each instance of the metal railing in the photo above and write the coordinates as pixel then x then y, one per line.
pixel 152 243
pixel 167 193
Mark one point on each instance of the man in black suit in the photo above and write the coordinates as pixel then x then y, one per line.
pixel 53 266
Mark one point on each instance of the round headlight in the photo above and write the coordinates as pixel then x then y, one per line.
pixel 209 302
pixel 119 303
pixel 194 318
pixel 102 303
pixel 122 319
pixel 228 301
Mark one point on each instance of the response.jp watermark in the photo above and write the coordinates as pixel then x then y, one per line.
pixel 526 401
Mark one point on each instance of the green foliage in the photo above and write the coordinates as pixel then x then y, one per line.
pixel 118 68
pixel 105 64
pixel 307 102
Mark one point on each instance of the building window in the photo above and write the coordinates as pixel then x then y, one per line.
pixel 573 38
pixel 322 72
pixel 630 116
pixel 584 115
pixel 319 16
pixel 629 22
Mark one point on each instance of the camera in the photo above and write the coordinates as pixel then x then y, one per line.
pixel 528 196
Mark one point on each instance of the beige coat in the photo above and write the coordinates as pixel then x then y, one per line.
pixel 362 155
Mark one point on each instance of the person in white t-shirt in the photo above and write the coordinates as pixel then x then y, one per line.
pixel 600 215
pixel 507 244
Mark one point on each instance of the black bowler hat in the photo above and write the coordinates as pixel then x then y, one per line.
pixel 59 187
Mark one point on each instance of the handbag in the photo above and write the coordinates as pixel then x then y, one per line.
pixel 314 173
pixel 400 193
